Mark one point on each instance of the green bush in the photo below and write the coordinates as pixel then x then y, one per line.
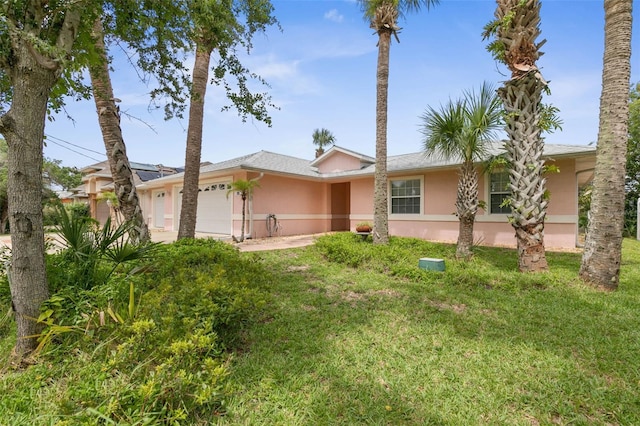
pixel 154 347
pixel 92 252
pixel 205 281
pixel 399 255
pixel 51 213
pixel 345 248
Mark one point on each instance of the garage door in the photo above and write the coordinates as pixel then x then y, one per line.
pixel 214 208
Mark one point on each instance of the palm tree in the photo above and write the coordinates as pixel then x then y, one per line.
pixel 603 246
pixel 383 17
pixel 462 130
pixel 516 28
pixel 322 138
pixel 245 188
pixel 109 119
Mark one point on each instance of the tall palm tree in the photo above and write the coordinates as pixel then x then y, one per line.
pixel 462 130
pixel 245 188
pixel 516 28
pixel 322 138
pixel 603 246
pixel 383 17
pixel 109 119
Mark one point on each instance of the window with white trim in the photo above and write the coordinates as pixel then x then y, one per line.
pixel 406 196
pixel 498 192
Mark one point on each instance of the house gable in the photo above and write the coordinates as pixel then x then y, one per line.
pixel 339 159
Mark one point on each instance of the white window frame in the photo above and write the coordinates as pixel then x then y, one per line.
pixel 490 193
pixel 391 197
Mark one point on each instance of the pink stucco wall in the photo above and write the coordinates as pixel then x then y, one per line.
pixel 304 206
pixel 300 207
pixel 339 161
pixel 438 221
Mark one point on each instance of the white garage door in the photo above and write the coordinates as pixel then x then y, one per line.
pixel 158 210
pixel 214 208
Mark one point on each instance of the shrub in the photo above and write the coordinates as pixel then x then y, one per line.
pixel 153 346
pixel 345 248
pixel 51 213
pixel 92 253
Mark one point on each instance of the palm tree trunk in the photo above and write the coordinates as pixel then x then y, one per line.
pixel 522 97
pixel 603 246
pixel 23 127
pixel 466 206
pixel 109 119
pixel 380 193
pixel 244 203
pixel 189 210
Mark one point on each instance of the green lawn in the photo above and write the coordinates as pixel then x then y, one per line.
pixel 354 333
pixel 381 343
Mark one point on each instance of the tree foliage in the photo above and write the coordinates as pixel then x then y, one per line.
pixel 245 188
pixel 462 130
pixel 54 174
pixel 220 27
pixel 322 138
pixel 632 183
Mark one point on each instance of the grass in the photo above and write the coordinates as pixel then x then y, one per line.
pixel 357 334
pixel 384 343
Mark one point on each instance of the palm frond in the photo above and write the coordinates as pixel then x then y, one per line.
pixel 443 130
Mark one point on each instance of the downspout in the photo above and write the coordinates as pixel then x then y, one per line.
pixel 250 235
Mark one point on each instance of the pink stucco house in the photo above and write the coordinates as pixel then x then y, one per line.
pixel 335 191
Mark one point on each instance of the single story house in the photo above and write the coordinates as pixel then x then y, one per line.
pixel 334 192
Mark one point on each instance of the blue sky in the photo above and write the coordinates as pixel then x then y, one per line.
pixel 321 69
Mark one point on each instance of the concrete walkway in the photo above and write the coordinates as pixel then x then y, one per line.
pixel 258 244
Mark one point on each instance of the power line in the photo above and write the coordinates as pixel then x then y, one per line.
pixel 73 144
pixel 50 138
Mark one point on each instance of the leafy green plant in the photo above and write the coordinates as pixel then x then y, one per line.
pixel 92 253
pixel 154 347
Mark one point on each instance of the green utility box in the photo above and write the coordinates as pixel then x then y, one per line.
pixel 430 264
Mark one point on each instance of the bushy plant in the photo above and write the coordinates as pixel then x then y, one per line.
pixel 51 213
pixel 92 252
pixel 154 347
pixel 205 280
pixel 78 210
pixel 346 248
pixel 153 376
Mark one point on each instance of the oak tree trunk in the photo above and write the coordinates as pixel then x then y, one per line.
pixel 189 208
pixel 23 128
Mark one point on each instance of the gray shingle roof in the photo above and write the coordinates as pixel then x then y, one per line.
pixel 265 161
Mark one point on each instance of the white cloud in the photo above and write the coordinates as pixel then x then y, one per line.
pixel 334 15
pixel 270 68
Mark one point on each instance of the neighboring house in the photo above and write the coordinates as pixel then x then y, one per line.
pixel 335 191
pixel 97 179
